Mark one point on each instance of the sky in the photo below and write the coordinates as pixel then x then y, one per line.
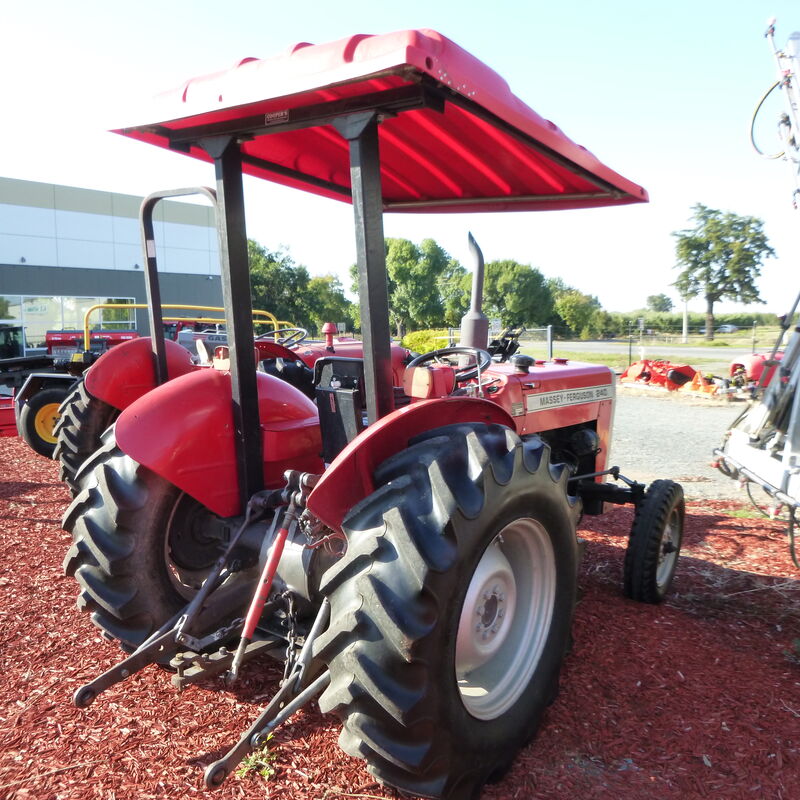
pixel 661 92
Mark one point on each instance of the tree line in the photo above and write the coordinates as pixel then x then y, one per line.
pixel 719 258
pixel 427 288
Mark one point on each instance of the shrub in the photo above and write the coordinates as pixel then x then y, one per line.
pixel 425 341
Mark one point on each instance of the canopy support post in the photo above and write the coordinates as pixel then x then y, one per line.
pixel 361 131
pixel 238 312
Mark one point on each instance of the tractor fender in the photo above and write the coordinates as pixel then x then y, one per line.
pixel 42 380
pixel 349 480
pixel 36 383
pixel 127 371
pixel 183 431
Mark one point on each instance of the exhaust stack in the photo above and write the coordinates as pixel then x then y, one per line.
pixel 475 324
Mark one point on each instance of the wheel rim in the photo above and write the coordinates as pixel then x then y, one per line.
pixel 45 420
pixel 668 549
pixel 505 619
pixel 189 552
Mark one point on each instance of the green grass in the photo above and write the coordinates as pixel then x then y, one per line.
pixel 742 513
pixel 261 762
pixel 617 361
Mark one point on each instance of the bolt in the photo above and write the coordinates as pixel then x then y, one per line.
pixel 124 673
pixel 501 598
pixel 501 614
pixel 495 589
pixel 478 627
pixel 494 628
pixel 486 595
pixel 485 635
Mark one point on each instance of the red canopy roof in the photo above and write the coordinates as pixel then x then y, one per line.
pixel 453 136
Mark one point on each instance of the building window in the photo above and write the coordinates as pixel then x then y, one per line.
pixel 37 315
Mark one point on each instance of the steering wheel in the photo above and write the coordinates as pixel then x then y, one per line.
pixel 482 360
pixel 294 336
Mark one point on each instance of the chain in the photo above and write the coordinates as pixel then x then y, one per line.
pixel 291 637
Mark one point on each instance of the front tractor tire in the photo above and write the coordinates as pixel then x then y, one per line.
pixel 38 419
pixel 655 542
pixel 451 609
pixel 79 432
pixel 139 550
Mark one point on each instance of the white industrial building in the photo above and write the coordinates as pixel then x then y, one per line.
pixel 64 249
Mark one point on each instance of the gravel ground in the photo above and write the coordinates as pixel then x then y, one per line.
pixel 659 434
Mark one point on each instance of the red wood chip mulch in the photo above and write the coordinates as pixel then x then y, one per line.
pixel 698 697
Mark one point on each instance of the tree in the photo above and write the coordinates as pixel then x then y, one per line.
pixel 278 285
pixel 414 271
pixel 577 310
pixel 517 293
pixel 326 302
pixel 455 287
pixel 413 274
pixel 285 289
pixel 720 258
pixel 659 303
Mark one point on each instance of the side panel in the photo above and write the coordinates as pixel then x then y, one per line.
pixel 183 431
pixel 126 371
pixel 349 478
pixel 8 425
pixel 556 395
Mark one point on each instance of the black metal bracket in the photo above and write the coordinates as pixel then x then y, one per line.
pixel 180 631
pixel 294 693
pixel 387 102
pixel 595 494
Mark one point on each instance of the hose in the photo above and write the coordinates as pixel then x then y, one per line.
pixel 753 124
pixel 754 503
pixel 790 529
pixel 791 535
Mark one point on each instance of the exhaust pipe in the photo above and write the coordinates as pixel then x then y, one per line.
pixel 475 324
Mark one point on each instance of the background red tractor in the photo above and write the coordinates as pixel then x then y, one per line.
pixel 411 555
pixel 127 372
pixel 40 381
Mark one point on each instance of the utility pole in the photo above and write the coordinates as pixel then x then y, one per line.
pixel 685 336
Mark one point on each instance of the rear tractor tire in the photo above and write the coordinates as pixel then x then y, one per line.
pixel 655 542
pixel 451 609
pixel 139 551
pixel 79 432
pixel 38 419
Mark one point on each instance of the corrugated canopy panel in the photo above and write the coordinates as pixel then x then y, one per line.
pixel 452 138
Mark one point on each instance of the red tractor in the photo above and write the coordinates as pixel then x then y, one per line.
pixel 411 555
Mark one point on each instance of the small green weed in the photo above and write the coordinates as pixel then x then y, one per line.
pixel 742 513
pixel 261 762
pixel 793 655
